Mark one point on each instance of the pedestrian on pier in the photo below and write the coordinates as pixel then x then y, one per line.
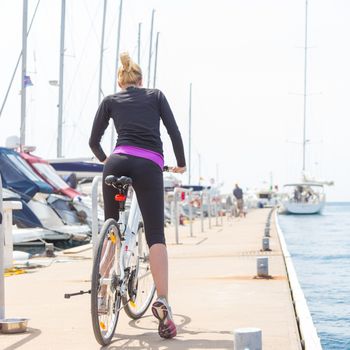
pixel 238 194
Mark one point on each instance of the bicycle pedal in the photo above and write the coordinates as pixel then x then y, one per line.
pixel 69 295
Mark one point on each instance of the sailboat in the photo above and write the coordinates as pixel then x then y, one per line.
pixel 306 196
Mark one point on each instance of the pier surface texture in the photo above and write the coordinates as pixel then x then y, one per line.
pixel 212 292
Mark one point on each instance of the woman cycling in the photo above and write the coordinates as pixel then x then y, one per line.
pixel 136 113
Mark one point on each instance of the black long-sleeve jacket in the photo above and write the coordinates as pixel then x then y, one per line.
pixel 136 113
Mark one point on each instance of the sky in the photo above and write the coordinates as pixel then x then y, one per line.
pixel 244 58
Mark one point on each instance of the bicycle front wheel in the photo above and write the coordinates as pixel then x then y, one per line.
pixel 105 298
pixel 141 287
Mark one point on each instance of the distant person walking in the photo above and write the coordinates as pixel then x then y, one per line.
pixel 238 194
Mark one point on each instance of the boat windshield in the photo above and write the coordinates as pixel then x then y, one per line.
pixel 50 175
pixel 24 167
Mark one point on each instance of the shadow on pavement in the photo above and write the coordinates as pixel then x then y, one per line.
pixel 30 335
pixel 150 340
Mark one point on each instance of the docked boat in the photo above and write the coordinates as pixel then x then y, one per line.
pixel 81 202
pixel 303 198
pixel 267 198
pixel 83 168
pixel 41 208
pixel 21 234
pixel 306 196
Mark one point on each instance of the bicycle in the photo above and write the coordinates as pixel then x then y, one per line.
pixel 121 275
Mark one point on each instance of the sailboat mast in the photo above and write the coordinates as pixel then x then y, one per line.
pixel 24 72
pixel 116 67
pixel 189 134
pixel 139 45
pixel 60 81
pixel 18 61
pixel 155 62
pixel 118 45
pixel 305 89
pixel 150 50
pixel 101 50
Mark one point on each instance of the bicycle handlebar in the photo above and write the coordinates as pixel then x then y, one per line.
pixel 171 169
pixel 168 169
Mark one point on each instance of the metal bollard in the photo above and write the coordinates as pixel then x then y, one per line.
pixel 216 213
pixel 267 232
pixel 266 244
pixel 94 213
pixel 176 217
pixel 190 214
pixel 2 239
pixel 247 338
pixel 262 265
pixel 209 209
pixel 49 250
pixel 172 220
pixel 202 214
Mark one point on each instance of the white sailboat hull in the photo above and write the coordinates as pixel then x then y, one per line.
pixel 303 208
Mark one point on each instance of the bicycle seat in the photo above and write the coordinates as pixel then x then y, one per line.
pixel 115 181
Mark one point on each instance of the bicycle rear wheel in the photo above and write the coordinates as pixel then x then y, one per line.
pixel 105 299
pixel 141 287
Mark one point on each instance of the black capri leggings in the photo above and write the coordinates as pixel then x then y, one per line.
pixel 147 181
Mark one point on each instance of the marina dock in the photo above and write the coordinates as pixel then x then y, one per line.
pixel 213 291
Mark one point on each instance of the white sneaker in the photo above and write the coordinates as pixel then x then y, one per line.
pixel 162 311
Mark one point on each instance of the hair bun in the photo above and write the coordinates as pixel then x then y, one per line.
pixel 129 72
pixel 126 61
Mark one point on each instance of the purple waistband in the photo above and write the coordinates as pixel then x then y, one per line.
pixel 141 152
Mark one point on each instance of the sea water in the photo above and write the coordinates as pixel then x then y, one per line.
pixel 320 249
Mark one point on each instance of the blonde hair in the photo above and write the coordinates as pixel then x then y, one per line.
pixel 130 72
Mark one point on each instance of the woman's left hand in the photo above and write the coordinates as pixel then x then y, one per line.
pixel 179 169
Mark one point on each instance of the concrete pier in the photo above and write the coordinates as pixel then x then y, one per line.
pixel 213 291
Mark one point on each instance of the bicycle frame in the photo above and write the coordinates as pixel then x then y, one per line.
pixel 129 242
pixel 120 263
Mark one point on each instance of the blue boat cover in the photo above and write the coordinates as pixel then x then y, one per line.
pixel 18 176
pixel 78 166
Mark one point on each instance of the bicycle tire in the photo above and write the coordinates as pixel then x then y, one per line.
pixel 145 291
pixel 106 258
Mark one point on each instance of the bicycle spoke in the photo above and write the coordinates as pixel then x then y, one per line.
pixel 145 286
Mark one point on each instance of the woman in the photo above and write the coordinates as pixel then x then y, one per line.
pixel 136 113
